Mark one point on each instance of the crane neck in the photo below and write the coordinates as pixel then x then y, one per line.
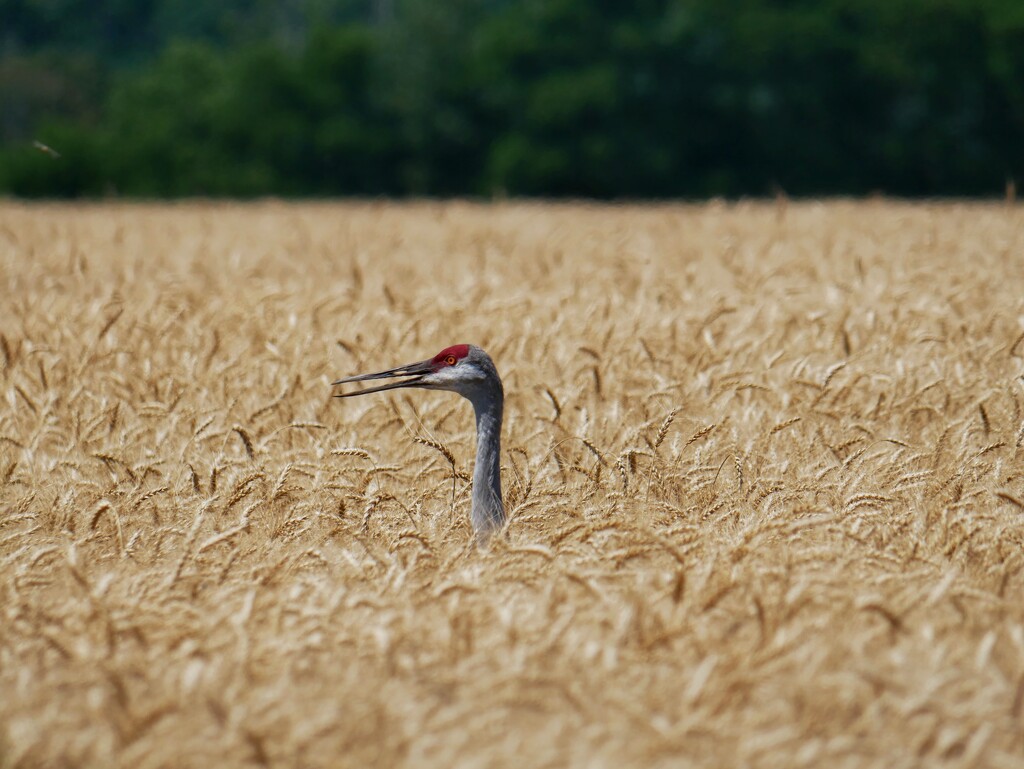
pixel 488 513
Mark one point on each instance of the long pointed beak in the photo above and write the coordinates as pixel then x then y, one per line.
pixel 415 372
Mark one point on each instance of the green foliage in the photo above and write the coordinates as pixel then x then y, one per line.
pixel 536 97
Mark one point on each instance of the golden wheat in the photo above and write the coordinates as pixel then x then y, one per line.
pixel 763 465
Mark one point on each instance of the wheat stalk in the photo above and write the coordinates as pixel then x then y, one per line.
pixel 204 615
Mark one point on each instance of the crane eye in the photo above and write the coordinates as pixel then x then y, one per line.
pixel 450 360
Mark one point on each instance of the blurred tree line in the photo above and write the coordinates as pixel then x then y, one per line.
pixel 653 98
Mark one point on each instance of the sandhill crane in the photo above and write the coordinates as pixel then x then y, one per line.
pixel 470 372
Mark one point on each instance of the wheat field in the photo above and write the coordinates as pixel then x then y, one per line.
pixel 763 464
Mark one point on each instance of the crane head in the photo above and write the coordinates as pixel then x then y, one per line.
pixel 461 368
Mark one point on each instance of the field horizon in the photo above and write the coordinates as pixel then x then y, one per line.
pixel 762 462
